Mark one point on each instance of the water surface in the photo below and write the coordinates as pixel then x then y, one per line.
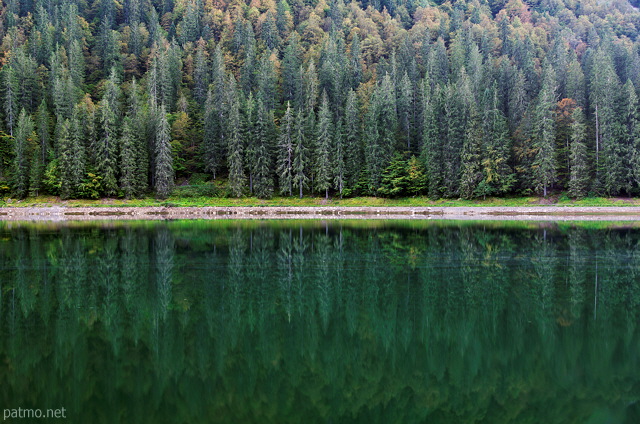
pixel 321 322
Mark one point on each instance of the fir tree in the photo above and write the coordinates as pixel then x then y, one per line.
pixel 545 166
pixel 578 159
pixel 338 162
pixel 23 137
pixel 128 156
pixel 285 153
pixel 234 137
pixel 300 154
pixel 163 160
pixel 107 148
pixel 10 91
pixel 324 141
pixel 262 167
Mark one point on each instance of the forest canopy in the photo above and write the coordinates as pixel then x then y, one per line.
pixel 274 97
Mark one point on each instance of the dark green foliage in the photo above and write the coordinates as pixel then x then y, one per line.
pixel 403 177
pixel 544 134
pixel 128 160
pixel 24 136
pixel 324 141
pixel 395 178
pixel 163 161
pixel 579 165
pixel 10 96
pixel 107 145
pixel 300 154
pixel 473 89
pixel 285 153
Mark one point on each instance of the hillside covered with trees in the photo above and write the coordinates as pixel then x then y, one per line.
pixel 122 98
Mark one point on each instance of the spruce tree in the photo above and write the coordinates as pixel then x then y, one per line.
pixel 262 167
pixel 545 167
pixel 23 136
pixel 235 150
pixel 77 162
pixel 128 156
pixel 338 160
pixel 163 160
pixel 65 154
pixel 285 153
pixel 107 146
pixel 352 140
pixel 300 154
pixel 42 129
pixel 578 159
pixel 10 96
pixel 200 74
pixel 323 144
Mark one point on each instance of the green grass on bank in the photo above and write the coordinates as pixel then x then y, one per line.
pixel 176 201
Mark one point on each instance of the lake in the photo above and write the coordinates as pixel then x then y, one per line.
pixel 321 322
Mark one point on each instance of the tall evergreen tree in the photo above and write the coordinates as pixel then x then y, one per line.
pixel 262 167
pixel 107 147
pixel 285 153
pixel 128 160
pixel 10 91
pixel 323 145
pixel 300 154
pixel 163 160
pixel 578 159
pixel 352 140
pixel 23 135
pixel 235 150
pixel 545 167
pixel 338 160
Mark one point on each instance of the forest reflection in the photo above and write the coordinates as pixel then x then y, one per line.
pixel 288 322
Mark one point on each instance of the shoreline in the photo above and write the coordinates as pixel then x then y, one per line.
pixel 535 213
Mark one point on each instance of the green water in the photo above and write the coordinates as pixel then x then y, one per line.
pixel 314 322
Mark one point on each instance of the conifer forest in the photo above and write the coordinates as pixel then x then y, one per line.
pixel 391 98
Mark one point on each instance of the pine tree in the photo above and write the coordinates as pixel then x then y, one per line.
pixel 291 76
pixel 405 110
pixel 266 81
pixel 42 129
pixel 128 156
pixel 578 159
pixel 338 162
pixel 249 138
pixel 432 154
pixel 36 171
pixel 235 151
pixel 323 144
pixel 498 177
pixel 163 160
pixel 262 167
pixel 107 147
pixel 545 166
pixel 300 154
pixel 471 176
pixel 65 153
pixel 200 74
pixel 213 136
pixel 10 91
pixel 285 153
pixel 352 140
pixel 76 166
pixel 24 135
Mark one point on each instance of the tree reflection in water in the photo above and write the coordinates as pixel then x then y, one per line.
pixel 291 322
